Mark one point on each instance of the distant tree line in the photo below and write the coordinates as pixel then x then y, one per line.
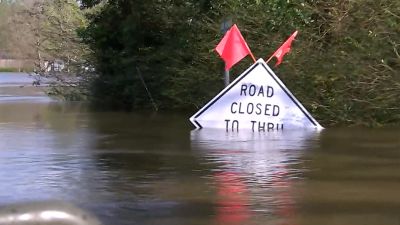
pixel 344 65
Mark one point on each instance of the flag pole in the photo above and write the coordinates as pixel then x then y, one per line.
pixel 272 56
pixel 252 56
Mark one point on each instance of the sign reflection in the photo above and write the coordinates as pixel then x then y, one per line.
pixel 255 175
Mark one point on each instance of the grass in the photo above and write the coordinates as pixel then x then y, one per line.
pixel 14 70
pixel 8 69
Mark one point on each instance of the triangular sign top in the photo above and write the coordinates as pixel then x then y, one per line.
pixel 258 101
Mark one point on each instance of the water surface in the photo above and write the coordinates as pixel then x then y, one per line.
pixel 16 79
pixel 19 87
pixel 148 168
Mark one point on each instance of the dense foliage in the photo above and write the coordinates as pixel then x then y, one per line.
pixel 343 66
pixel 346 69
pixel 6 10
pixel 172 43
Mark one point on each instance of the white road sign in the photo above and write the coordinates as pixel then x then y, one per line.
pixel 258 101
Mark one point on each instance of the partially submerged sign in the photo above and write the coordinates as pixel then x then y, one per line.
pixel 257 100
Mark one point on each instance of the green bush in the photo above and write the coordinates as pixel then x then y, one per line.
pixel 342 67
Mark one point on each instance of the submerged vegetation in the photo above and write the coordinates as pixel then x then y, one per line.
pixel 343 65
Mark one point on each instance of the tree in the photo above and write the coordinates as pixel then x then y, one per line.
pixel 6 11
pixel 343 65
pixel 51 28
pixel 171 42
pixel 9 30
pixel 89 3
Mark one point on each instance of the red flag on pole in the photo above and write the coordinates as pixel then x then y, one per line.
pixel 285 48
pixel 233 48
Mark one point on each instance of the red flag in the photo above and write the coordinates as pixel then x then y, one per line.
pixel 285 48
pixel 233 48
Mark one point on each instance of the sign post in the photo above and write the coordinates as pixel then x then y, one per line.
pixel 225 25
pixel 226 75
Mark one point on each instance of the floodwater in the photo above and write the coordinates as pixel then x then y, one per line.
pixel 19 86
pixel 151 168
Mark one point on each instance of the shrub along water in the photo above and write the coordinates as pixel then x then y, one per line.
pixel 8 69
pixel 342 67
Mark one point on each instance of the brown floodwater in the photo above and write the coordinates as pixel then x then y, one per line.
pixel 152 168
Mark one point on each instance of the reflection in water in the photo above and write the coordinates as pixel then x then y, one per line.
pixel 255 173
pixel 232 199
